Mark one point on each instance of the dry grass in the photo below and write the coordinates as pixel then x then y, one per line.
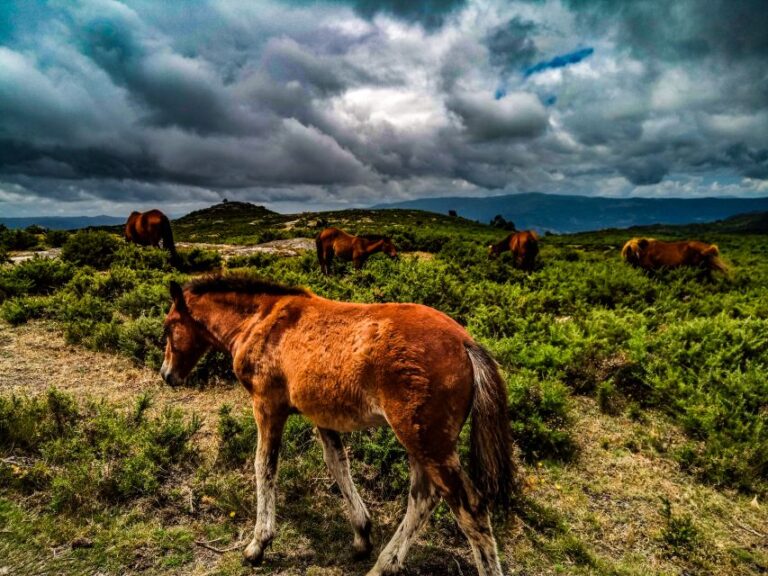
pixel 35 357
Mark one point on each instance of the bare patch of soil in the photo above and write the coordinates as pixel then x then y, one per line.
pixel 287 247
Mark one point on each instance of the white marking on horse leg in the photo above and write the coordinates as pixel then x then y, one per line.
pixel 422 499
pixel 338 464
pixel 473 518
pixel 477 529
pixel 266 474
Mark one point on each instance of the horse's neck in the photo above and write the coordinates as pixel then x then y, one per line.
pixel 222 319
pixel 372 246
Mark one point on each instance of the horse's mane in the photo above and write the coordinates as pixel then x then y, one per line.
pixel 241 283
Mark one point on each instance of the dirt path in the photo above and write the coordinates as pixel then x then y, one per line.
pixel 35 357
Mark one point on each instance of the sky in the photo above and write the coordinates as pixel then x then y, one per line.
pixel 108 106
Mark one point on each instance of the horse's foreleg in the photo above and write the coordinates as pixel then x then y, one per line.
pixel 473 518
pixel 267 452
pixel 422 499
pixel 328 261
pixel 338 464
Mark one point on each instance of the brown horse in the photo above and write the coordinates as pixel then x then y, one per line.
pixel 651 254
pixel 149 229
pixel 334 242
pixel 524 246
pixel 345 367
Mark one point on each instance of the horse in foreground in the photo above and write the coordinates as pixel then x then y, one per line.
pixel 334 242
pixel 651 254
pixel 524 246
pixel 405 365
pixel 149 229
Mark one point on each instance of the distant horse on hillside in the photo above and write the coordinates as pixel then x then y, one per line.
pixel 149 229
pixel 524 246
pixel 349 366
pixel 651 254
pixel 334 242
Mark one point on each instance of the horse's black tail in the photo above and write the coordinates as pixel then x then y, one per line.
pixel 491 462
pixel 321 254
pixel 167 235
pixel 319 246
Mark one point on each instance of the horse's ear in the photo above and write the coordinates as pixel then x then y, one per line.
pixel 177 293
pixel 643 243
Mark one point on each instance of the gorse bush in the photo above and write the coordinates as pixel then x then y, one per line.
pixel 237 438
pixel 89 456
pixel 18 239
pixel 199 260
pixel 91 248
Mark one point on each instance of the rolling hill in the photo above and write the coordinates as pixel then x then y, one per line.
pixel 62 222
pixel 564 214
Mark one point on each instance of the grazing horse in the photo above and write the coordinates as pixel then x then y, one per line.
pixel 345 367
pixel 334 242
pixel 651 254
pixel 148 229
pixel 524 246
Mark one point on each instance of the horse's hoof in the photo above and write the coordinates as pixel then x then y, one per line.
pixel 362 551
pixel 252 556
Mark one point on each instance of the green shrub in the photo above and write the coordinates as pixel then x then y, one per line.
pixel 137 257
pixel 56 238
pixel 199 260
pixel 21 310
pixel 93 455
pixel 40 275
pixel 540 420
pixel 91 248
pixel 142 340
pixel 18 239
pixel 237 438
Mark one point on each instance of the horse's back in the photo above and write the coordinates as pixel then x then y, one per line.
pixel 348 366
pixel 146 228
pixel 678 253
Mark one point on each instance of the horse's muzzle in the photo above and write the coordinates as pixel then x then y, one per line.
pixel 169 377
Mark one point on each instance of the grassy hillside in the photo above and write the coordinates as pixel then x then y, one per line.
pixel 243 223
pixel 638 403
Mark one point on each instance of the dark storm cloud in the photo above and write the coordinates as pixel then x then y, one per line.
pixel 683 29
pixel 515 116
pixel 324 101
pixel 429 13
pixel 511 46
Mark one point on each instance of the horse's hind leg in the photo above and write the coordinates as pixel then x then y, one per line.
pixel 473 517
pixel 422 499
pixel 338 464
pixel 267 452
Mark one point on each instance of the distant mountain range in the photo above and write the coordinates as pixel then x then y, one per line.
pixel 62 222
pixel 565 214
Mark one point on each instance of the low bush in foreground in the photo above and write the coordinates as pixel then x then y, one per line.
pixel 87 456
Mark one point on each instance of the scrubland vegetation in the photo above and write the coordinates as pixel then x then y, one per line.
pixel 677 360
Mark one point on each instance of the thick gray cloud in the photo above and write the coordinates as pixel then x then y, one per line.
pixel 106 104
